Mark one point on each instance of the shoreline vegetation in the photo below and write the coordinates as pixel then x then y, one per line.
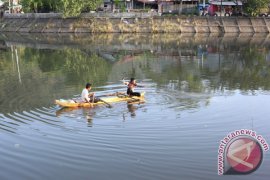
pixel 130 23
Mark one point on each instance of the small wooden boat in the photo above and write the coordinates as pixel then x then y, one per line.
pixel 105 100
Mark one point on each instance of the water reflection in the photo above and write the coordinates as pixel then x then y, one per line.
pixel 132 110
pixel 186 66
pixel 89 115
pixel 198 88
pixel 63 111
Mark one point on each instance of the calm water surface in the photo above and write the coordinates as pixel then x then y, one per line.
pixel 198 89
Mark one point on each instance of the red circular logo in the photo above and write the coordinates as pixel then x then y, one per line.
pixel 244 155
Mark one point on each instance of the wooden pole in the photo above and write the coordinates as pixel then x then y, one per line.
pixel 9 6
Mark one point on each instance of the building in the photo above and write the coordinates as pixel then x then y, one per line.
pixel 161 6
pixel 224 8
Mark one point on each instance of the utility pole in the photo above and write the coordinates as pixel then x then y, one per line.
pixel 221 8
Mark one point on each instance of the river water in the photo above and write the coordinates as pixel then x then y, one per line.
pixel 198 89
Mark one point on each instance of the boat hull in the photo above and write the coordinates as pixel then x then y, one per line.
pixel 115 99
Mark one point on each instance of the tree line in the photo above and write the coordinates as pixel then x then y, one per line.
pixel 76 7
pixel 256 7
pixel 67 7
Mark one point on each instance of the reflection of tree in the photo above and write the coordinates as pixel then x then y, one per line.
pixel 83 68
pixel 175 73
pixel 44 74
pixel 131 66
pixel 48 60
pixel 249 72
pixel 75 65
pixel 35 88
pixel 170 61
pixel 232 67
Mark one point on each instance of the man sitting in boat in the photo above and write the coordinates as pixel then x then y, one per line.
pixel 88 97
pixel 130 88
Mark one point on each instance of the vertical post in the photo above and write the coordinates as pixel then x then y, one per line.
pixel 144 4
pixel 203 9
pixel 18 66
pixel 181 6
pixel 202 61
pixel 112 5
pixel 12 57
pixel 242 8
pixel 9 6
pixel 221 8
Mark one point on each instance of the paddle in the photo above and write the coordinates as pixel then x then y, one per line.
pixel 113 94
pixel 132 99
pixel 109 105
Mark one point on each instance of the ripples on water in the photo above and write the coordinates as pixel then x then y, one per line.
pixel 174 135
pixel 120 137
pixel 142 141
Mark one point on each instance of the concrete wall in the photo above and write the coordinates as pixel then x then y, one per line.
pixel 131 23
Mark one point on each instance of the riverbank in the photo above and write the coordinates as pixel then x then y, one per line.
pixel 131 23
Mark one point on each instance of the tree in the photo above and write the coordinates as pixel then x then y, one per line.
pixel 254 7
pixel 75 7
pixel 40 5
pixel 69 8
pixel 31 5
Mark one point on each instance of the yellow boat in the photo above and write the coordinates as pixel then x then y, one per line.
pixel 105 100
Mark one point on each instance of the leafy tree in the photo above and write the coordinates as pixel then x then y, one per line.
pixel 51 5
pixel 253 7
pixel 31 5
pixel 40 5
pixel 69 8
pixel 75 7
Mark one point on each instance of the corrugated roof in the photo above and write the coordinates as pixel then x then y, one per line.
pixel 226 3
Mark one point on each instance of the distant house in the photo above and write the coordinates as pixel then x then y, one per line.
pixel 224 8
pixel 178 6
pixel 161 6
pixel 13 6
pixel 116 5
